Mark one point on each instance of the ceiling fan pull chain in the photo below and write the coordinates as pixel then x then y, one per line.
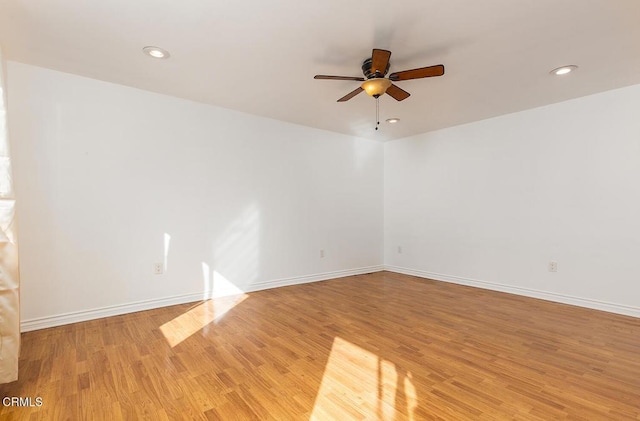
pixel 377 112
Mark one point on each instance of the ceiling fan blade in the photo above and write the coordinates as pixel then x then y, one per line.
pixel 379 61
pixel 350 95
pixel 430 71
pixel 359 79
pixel 397 93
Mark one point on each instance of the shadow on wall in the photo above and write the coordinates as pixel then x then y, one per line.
pixel 236 257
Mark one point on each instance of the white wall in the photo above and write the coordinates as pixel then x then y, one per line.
pixel 103 172
pixel 492 202
pixel 106 175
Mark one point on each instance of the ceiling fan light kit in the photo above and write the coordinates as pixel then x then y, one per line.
pixel 376 87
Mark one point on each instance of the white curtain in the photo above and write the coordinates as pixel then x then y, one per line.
pixel 9 274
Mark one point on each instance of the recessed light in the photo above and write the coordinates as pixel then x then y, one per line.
pixel 564 70
pixel 393 120
pixel 156 52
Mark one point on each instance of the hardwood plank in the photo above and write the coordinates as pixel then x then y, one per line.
pixel 377 346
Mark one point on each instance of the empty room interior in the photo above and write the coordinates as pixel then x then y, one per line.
pixel 282 210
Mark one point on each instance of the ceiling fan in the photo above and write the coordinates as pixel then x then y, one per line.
pixel 374 82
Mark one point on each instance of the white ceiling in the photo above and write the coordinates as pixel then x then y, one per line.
pixel 260 56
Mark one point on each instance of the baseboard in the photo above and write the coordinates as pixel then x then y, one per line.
pixel 115 310
pixel 98 313
pixel 314 278
pixel 527 292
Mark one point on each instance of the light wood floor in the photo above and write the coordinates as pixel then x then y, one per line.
pixel 378 346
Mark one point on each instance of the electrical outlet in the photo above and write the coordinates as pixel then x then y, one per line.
pixel 553 266
pixel 321 254
pixel 158 268
pixel 399 249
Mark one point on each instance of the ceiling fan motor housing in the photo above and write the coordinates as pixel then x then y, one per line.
pixel 366 69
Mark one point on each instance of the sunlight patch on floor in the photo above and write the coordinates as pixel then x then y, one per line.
pixel 199 317
pixel 357 384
